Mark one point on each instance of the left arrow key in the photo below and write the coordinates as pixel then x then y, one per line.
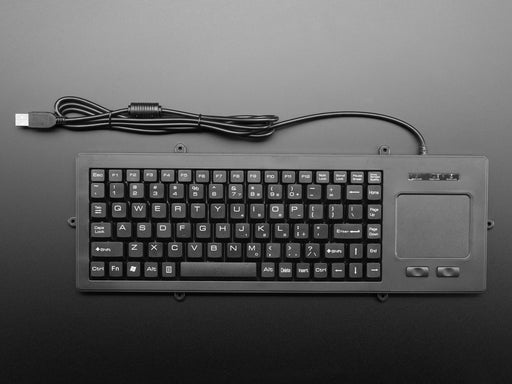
pixel 107 249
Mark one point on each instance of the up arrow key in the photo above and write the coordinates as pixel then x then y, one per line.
pixel 107 249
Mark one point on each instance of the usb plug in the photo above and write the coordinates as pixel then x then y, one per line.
pixel 37 120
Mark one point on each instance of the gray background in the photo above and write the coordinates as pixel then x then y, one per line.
pixel 442 65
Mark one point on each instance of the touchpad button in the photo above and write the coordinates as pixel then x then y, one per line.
pixel 432 226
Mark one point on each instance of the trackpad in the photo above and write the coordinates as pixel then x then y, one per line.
pixel 432 226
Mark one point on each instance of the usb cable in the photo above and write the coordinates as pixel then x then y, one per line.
pixel 76 113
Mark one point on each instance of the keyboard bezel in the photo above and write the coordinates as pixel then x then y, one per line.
pixel 473 172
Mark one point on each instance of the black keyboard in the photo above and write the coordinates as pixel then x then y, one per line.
pixel 272 223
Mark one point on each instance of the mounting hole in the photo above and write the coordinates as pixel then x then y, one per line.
pixel 384 150
pixel 179 296
pixel 382 297
pixel 490 224
pixel 180 148
pixel 72 222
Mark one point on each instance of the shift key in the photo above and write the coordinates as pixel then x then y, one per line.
pixel 107 249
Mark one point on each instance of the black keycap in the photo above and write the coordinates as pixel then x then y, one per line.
pixel 124 229
pixel 143 230
pixel 276 211
pixel 159 210
pixel 354 192
pixel 257 211
pixel 202 177
pixel 107 249
pixel 235 192
pixel 253 251
pixel 335 211
pixel 155 249
pixel 373 251
pixel 101 230
pixel 99 210
pixel 305 177
pixel 294 192
pixel 315 212
pixel 355 270
pixel 237 211
pixel 156 191
pixel 374 192
pixel 175 250
pixel 373 270
pixel 97 190
pixel 320 231
pixel 373 231
pixel 338 270
pixel 150 269
pixel 296 211
pixel 133 175
pixel 374 212
pixel 184 175
pixel 217 211
pixel 234 251
pixel 268 270
pixel 288 177
pixel 150 175
pixel 356 251
pixel 195 250
pixel 132 269
pixel 293 251
pixel 348 231
pixel 253 176
pixel 275 192
pixel 301 231
pixel 139 210
pixel 218 270
pixel 222 231
pixel 203 231
pixel 285 270
pixel 242 231
pixel 176 191
pixel 340 177
pixel 167 176
pixel 219 177
pixel 236 177
pixel 216 191
pixel 118 210
pixel 333 192
pixel 271 177
pixel 115 269
pixel 357 177
pixel 322 177
pixel 196 191
pixel 374 177
pixel 255 192
pixel 115 175
pixel 198 211
pixel 334 251
pixel 116 190
pixel 136 190
pixel 183 231
pixel 273 251
pixel 168 270
pixel 314 192
pixel 97 269
pixel 281 231
pixel 312 251
pixel 302 271
pixel 355 211
pixel 178 210
pixel 98 175
pixel 214 251
pixel 163 230
pixel 135 249
pixel 320 270
pixel 262 231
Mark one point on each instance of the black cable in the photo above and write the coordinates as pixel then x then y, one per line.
pixel 80 114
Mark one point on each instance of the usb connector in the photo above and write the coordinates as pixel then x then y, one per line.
pixel 37 120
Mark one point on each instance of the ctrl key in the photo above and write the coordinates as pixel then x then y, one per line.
pixel 97 269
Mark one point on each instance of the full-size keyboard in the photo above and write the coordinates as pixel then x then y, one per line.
pixel 281 223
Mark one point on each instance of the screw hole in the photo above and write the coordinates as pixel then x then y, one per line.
pixel 490 224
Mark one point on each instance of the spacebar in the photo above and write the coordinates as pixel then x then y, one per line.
pixel 214 269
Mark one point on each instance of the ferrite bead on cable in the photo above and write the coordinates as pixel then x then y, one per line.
pixel 144 110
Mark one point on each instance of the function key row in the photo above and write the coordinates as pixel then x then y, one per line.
pixel 235 176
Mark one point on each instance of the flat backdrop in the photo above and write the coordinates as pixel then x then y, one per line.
pixel 443 65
